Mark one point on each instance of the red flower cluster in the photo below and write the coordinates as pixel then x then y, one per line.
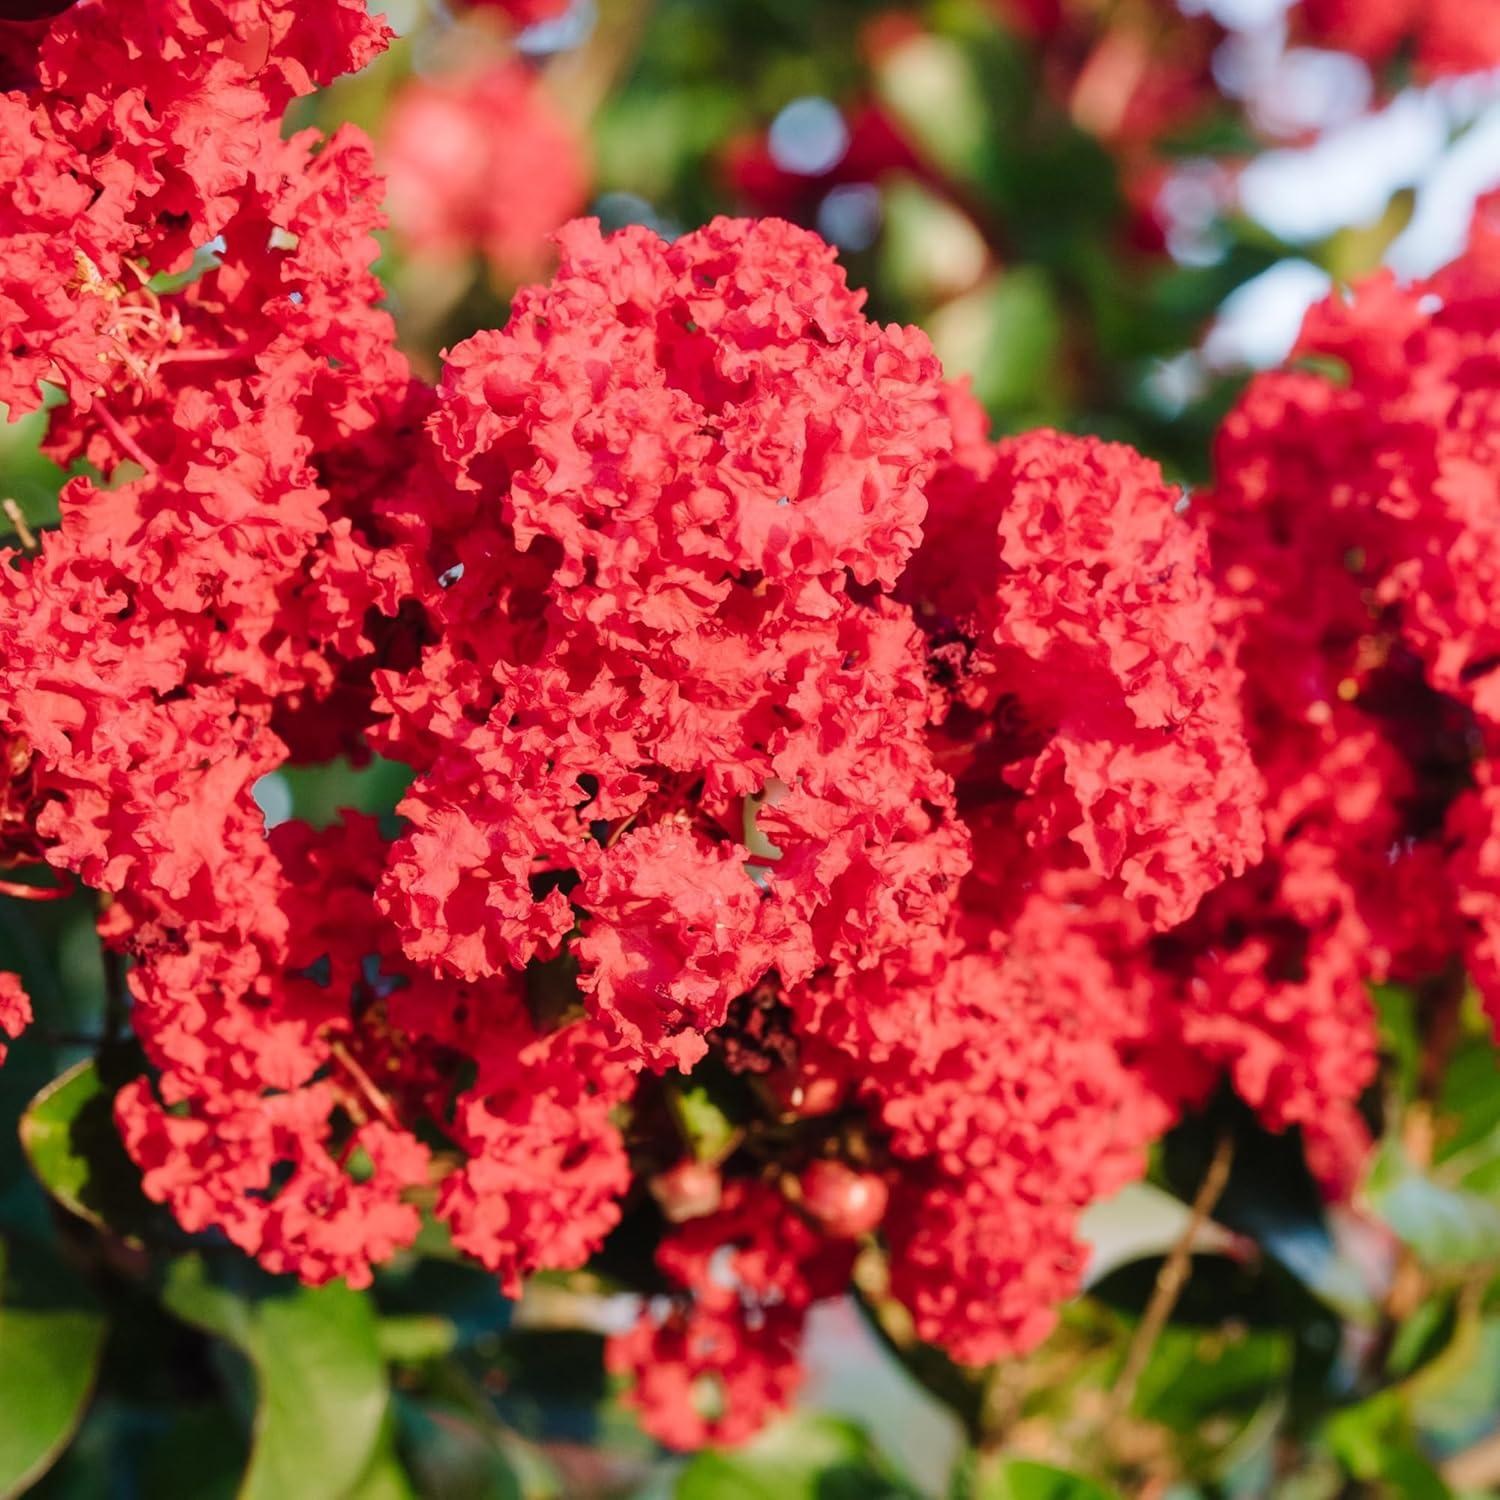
pixel 1356 534
pixel 15 1010
pixel 953 812
pixel 205 605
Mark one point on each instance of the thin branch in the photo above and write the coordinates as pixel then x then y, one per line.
pixel 1170 1281
pixel 367 1086
pixel 23 892
pixel 13 514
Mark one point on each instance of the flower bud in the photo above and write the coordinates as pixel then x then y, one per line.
pixel 844 1201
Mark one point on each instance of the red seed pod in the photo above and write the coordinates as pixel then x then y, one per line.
pixel 806 1095
pixel 844 1201
pixel 689 1190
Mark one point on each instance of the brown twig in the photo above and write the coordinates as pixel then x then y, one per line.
pixel 367 1086
pixel 1170 1281
pixel 23 892
pixel 18 520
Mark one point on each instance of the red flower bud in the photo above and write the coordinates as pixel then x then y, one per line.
pixel 844 1201
pixel 688 1190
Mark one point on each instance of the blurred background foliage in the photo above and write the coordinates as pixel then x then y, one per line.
pixel 1089 222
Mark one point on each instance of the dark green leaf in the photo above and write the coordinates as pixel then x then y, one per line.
pixel 69 1136
pixel 1195 1375
pixel 1271 1197
pixel 199 1456
pixel 452 1454
pixel 320 1377
pixel 51 1339
pixel 1468 1149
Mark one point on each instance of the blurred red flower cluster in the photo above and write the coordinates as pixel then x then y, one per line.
pixel 954 812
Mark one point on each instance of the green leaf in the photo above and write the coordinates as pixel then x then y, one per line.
pixel 198 1455
pixel 1007 335
pixel 1195 1375
pixel 1400 1035
pixel 414 1339
pixel 1446 1226
pixel 51 1341
pixel 708 1131
pixel 1020 1479
pixel 804 1458
pixel 1421 1336
pixel 320 1377
pixel 1375 1443
pixel 1467 1153
pixel 929 250
pixel 384 1477
pixel 1453 1399
pixel 1271 1197
pixel 451 1454
pixel 69 1136
pixel 929 84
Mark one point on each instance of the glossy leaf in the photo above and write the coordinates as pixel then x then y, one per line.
pixel 320 1376
pixel 1447 1226
pixel 69 1136
pixel 51 1340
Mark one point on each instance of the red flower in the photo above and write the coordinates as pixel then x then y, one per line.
pixel 15 1009
pixel 704 1375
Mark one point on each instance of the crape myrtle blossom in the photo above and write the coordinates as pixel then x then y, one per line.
pixel 946 808
pixel 1357 538
pixel 663 507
